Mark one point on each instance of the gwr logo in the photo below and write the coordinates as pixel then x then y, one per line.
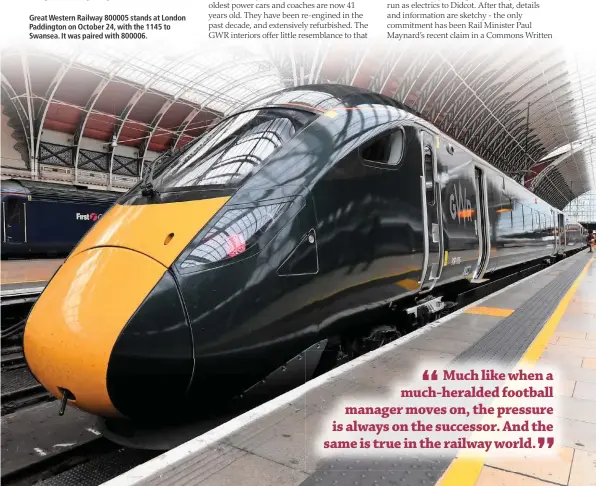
pixel 460 206
pixel 88 217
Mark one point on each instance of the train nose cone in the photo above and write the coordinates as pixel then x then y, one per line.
pixel 72 329
pixel 151 365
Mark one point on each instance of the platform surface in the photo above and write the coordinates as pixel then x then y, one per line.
pixel 21 276
pixel 273 444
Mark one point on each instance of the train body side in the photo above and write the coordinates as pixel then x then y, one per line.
pixel 43 224
pixel 367 224
pixel 520 227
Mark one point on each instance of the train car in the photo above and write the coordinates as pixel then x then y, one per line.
pixel 278 232
pixel 45 219
pixel 575 234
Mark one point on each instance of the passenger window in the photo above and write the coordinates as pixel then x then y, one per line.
pixel 429 175
pixel 517 215
pixel 506 210
pixel 13 211
pixel 387 150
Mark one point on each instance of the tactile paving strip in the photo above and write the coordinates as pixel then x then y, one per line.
pixel 101 469
pixel 508 341
pixel 400 471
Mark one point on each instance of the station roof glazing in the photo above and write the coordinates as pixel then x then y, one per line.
pixel 531 112
pixel 583 208
pixel 217 79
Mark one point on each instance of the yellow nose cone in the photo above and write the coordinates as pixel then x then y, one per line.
pixel 72 328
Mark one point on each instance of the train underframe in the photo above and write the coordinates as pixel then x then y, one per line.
pixel 378 327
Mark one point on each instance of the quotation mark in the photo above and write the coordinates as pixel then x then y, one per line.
pixel 434 375
pixel 549 440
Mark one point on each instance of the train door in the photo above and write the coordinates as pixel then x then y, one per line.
pixel 562 234
pixel 555 231
pixel 431 214
pixel 14 217
pixel 482 224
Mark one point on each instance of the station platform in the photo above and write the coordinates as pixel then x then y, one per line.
pixel 549 317
pixel 26 277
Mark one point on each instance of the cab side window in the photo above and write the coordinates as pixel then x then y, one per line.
pixel 385 151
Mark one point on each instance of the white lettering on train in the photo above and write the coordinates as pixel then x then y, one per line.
pixel 460 206
pixel 88 216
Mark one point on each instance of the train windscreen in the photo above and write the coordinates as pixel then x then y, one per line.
pixel 233 150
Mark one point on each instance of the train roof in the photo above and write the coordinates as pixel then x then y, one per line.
pixel 56 192
pixel 324 97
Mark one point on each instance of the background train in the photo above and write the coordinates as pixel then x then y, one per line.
pixel 44 219
pixel 281 230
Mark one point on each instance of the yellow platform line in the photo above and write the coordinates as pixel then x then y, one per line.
pixel 408 284
pixel 489 311
pixel 464 471
pixel 11 282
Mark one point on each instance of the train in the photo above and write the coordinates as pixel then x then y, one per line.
pixel 269 240
pixel 42 219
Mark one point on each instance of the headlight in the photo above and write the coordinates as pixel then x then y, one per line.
pixel 235 233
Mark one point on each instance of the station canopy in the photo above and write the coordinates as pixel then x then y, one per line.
pixel 530 111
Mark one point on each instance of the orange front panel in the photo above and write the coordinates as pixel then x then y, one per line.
pixel 148 228
pixel 72 329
